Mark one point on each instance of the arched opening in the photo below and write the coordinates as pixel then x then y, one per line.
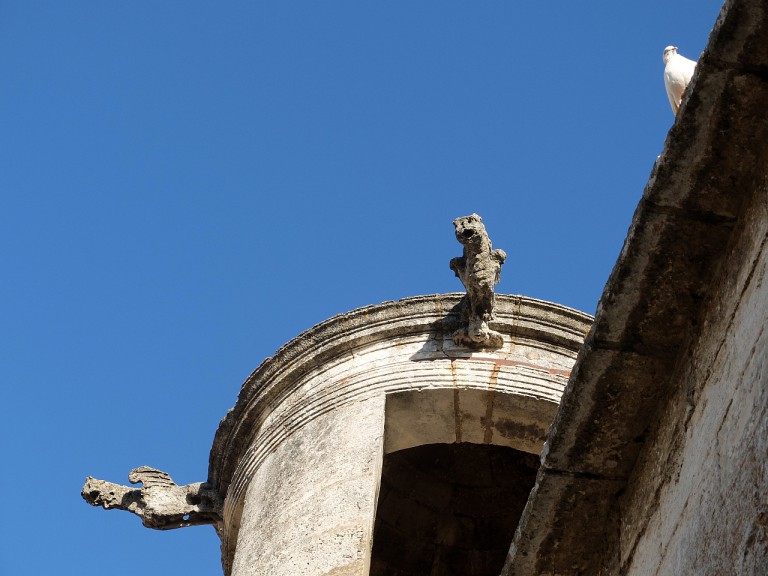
pixel 459 464
pixel 449 509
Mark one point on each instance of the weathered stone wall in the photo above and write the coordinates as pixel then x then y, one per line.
pixel 698 501
pixel 655 462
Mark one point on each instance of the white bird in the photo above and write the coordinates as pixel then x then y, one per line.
pixel 678 71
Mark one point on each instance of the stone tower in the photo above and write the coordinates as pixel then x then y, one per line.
pixel 397 439
pixel 338 454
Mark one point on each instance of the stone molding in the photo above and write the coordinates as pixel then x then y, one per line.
pixel 517 317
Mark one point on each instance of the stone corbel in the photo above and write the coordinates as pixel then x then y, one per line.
pixel 160 503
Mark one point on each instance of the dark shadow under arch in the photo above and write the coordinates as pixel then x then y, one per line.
pixel 449 509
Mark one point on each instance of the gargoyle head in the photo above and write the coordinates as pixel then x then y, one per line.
pixel 470 229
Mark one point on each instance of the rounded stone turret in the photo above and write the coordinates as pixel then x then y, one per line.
pixel 374 444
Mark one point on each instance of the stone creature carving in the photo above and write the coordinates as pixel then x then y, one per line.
pixel 160 503
pixel 678 71
pixel 479 270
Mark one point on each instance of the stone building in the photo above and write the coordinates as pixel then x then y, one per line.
pixel 633 443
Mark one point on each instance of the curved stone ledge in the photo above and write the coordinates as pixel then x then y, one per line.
pixel 378 352
pixel 520 319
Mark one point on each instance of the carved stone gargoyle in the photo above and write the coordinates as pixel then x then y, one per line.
pixel 160 503
pixel 479 269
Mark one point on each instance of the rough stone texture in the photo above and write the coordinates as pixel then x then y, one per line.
pixel 160 503
pixel 299 455
pixel 712 486
pixel 479 269
pixel 605 499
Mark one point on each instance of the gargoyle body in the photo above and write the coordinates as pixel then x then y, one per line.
pixel 479 270
pixel 160 503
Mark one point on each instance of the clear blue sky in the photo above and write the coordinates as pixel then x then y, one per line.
pixel 188 185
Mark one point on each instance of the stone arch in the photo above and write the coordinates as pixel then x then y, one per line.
pixel 458 465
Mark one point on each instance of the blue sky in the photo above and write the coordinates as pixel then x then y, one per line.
pixel 186 186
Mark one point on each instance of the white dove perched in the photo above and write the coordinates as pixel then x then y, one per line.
pixel 678 71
